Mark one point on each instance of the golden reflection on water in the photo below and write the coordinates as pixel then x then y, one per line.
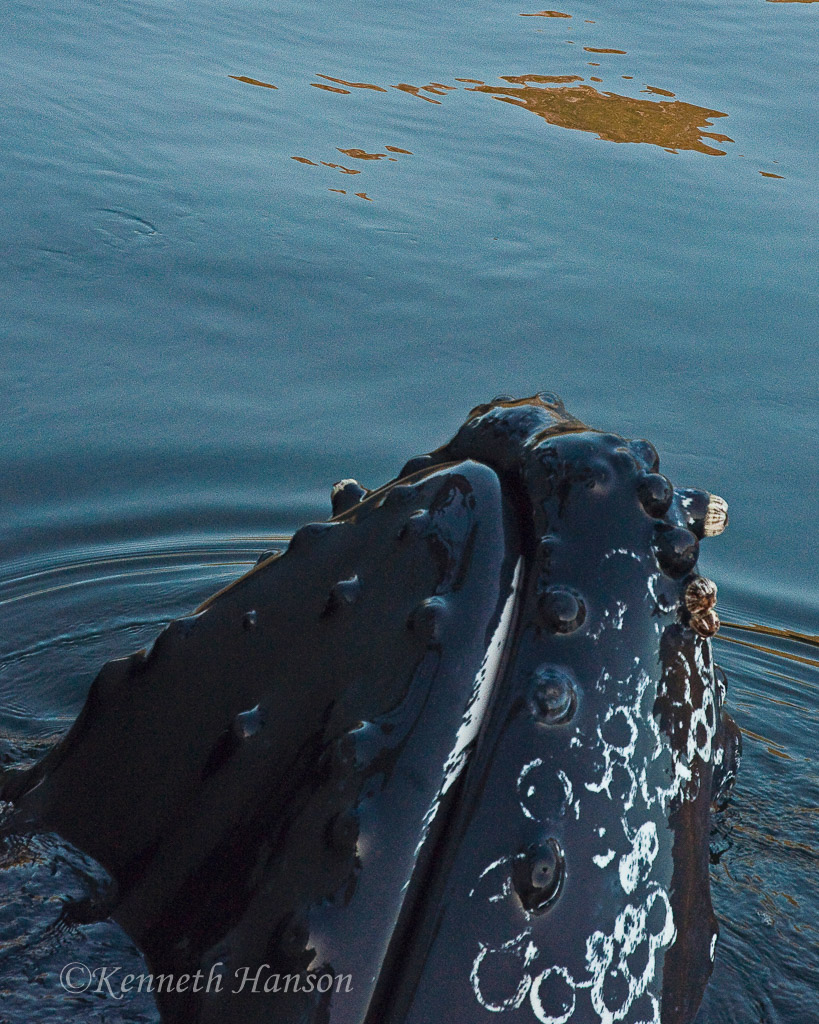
pixel 811 639
pixel 330 88
pixel 673 126
pixel 566 101
pixel 414 90
pixel 350 85
pixel 252 81
pixel 340 167
pixel 547 14
pixel 771 650
pixel 362 154
pixel 539 79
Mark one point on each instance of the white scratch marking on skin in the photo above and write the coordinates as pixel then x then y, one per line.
pixel 567 786
pixel 610 619
pixel 514 948
pixel 537 1005
pixel 635 866
pixel 536 763
pixel 506 887
pixel 606 953
pixel 629 950
pixel 623 551
pixel 569 791
pixel 630 931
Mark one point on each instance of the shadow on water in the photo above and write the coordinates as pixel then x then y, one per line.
pixel 62 619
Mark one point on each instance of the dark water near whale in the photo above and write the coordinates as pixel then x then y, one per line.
pixel 252 248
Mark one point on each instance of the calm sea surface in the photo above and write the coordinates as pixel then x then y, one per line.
pixel 251 248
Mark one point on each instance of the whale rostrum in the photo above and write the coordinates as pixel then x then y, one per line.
pixel 457 745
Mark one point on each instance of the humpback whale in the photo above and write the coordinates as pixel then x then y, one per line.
pixel 457 746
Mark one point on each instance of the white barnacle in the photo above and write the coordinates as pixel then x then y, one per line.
pixel 716 516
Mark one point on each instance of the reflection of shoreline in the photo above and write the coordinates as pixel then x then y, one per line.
pixel 672 125
pixel 565 101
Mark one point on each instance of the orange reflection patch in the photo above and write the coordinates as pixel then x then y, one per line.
pixel 252 81
pixel 547 14
pixel 595 49
pixel 363 195
pixel 395 149
pixel 413 90
pixel 339 167
pixel 671 125
pixel 303 160
pixel 768 174
pixel 353 85
pixel 539 79
pixel 361 154
pixel 659 92
pixel 330 88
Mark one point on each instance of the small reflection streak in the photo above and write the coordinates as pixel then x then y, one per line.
pixel 362 154
pixel 414 90
pixel 252 81
pixel 353 85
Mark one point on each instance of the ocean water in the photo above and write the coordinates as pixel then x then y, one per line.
pixel 251 248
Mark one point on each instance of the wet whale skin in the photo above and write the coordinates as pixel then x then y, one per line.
pixel 457 748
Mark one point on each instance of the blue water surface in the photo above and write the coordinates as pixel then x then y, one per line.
pixel 251 248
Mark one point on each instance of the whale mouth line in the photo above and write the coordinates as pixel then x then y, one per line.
pixel 480 699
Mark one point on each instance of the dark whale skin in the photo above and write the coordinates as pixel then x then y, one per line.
pixel 459 744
